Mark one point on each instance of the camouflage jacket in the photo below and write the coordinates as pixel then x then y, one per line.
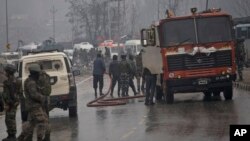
pixel 43 83
pixel 34 99
pixel 125 67
pixel 11 91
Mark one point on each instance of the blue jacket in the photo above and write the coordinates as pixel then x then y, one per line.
pixel 99 67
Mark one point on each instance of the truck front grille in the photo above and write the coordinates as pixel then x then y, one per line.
pixel 199 61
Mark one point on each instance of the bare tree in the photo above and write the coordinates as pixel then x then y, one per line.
pixel 242 7
pixel 172 5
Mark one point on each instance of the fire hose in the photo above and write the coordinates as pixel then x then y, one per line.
pixel 101 101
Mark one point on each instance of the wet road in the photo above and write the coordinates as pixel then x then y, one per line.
pixel 189 119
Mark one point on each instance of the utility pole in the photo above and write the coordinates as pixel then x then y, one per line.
pixel 109 21
pixel 206 4
pixel 158 9
pixel 7 26
pixel 53 11
pixel 119 27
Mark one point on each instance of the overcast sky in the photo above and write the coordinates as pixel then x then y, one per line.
pixel 30 20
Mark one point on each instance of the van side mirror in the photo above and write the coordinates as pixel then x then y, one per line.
pixel 76 73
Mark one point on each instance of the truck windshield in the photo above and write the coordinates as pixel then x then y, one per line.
pixel 175 32
pixel 214 29
pixel 182 31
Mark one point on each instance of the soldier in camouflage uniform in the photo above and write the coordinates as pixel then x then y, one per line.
pixel 240 57
pixel 36 101
pixel 125 70
pixel 44 87
pixel 132 73
pixel 11 100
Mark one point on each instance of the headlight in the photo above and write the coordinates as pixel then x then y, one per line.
pixel 229 70
pixel 171 75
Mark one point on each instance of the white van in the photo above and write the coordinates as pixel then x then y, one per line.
pixel 83 45
pixel 58 66
pixel 133 47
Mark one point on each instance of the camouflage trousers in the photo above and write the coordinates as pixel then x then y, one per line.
pixel 124 83
pixel 10 121
pixel 37 118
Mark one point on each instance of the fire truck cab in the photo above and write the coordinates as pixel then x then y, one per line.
pixel 194 53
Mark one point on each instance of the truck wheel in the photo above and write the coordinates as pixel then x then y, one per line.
pixel 207 96
pixel 216 95
pixel 228 93
pixel 73 111
pixel 170 97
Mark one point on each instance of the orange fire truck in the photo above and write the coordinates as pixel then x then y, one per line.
pixel 194 53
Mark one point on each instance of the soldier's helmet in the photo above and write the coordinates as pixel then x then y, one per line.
pixel 35 68
pixel 10 69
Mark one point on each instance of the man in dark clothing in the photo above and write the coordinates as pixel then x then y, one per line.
pixel 114 74
pixel 139 72
pixel 125 70
pixel 240 57
pixel 98 72
pixel 150 86
pixel 132 73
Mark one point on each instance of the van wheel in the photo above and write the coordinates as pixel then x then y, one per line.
pixel 228 93
pixel 170 97
pixel 73 111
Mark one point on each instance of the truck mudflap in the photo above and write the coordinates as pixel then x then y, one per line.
pixel 200 84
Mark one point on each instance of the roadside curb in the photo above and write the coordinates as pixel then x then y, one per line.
pixel 242 85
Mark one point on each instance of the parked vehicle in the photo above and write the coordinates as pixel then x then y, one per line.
pixel 59 68
pixel 83 45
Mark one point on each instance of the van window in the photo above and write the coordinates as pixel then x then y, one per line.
pixel 48 65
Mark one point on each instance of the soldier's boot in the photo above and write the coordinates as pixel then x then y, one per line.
pixel 11 137
pixel 151 102
pixel 146 101
pixel 133 88
pixel 138 88
pixel 111 93
pixel 101 94
pixel 95 93
pixel 47 137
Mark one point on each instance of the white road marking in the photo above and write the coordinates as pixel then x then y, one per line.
pixel 128 134
pixel 87 79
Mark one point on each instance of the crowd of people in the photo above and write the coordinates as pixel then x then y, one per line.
pixel 123 71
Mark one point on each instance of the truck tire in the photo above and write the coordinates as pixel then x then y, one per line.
pixel 228 93
pixel 170 97
pixel 73 111
pixel 207 96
